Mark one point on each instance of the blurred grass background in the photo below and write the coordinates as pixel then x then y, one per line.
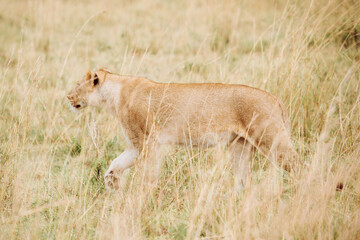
pixel 52 161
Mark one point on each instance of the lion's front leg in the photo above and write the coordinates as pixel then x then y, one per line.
pixel 125 160
pixel 152 163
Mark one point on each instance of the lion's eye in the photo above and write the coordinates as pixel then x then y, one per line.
pixel 77 105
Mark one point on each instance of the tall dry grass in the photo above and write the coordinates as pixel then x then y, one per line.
pixel 52 161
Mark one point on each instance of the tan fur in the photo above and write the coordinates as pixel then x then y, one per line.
pixel 189 114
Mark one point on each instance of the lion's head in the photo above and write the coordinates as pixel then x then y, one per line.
pixel 83 93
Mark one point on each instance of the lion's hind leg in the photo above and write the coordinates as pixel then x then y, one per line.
pixel 241 151
pixel 275 143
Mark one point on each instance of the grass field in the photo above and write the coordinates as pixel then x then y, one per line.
pixel 52 161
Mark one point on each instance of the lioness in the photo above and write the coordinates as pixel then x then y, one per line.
pixel 152 114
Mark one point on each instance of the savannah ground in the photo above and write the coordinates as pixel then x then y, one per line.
pixel 52 160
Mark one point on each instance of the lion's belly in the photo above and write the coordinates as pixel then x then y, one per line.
pixel 196 139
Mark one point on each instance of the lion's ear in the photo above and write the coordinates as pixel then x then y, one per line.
pixel 88 75
pixel 99 77
pixel 105 70
pixel 95 79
